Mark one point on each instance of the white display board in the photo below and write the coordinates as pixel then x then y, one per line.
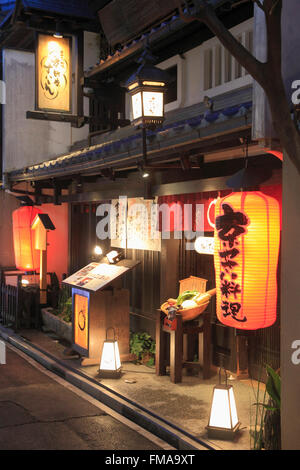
pixel 134 224
pixel 95 276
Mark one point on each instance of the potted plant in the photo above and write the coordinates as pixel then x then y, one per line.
pixel 143 347
pixel 267 430
pixel 59 320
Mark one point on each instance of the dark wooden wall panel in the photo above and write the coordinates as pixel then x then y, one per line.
pixel 223 339
pixel 123 20
pixel 143 282
pixel 157 278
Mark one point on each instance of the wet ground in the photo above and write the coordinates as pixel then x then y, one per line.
pixel 187 404
pixel 37 413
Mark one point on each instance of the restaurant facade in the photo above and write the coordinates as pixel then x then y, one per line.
pixel 159 195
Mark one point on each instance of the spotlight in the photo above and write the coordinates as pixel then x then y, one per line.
pixel 114 256
pixel 98 250
pixel 57 34
pixel 144 173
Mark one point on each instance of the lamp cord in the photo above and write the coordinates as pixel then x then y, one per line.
pixel 220 378
pixel 246 152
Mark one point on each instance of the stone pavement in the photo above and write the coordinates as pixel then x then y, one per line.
pixel 37 413
pixel 186 405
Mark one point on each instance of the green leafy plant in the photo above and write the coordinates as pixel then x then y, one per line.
pixel 256 431
pixel 143 347
pixel 267 432
pixel 64 309
pixel 272 428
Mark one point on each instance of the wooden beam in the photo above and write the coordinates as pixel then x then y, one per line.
pixel 76 121
pixel 79 74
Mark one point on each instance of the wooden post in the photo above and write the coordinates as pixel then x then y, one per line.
pixel 176 352
pixel 242 357
pixel 41 224
pixel 206 345
pixel 79 41
pixel 43 277
pixel 160 359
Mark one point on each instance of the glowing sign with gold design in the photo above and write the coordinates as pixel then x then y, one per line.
pixel 81 320
pixel 54 69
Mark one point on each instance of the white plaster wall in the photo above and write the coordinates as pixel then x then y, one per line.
pixel 262 122
pixel 190 78
pixel 27 141
pixel 194 71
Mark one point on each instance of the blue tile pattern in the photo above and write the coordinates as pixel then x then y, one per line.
pixel 77 8
pixel 107 152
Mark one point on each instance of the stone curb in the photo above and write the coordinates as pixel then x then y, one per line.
pixel 172 435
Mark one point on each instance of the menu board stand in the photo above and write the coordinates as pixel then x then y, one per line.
pixel 98 303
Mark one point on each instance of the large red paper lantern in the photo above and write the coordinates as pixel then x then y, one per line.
pixel 26 257
pixel 247 237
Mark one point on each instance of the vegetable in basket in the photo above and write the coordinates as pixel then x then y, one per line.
pixel 186 295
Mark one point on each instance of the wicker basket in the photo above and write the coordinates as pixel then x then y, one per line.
pixel 192 313
pixel 192 283
pixel 195 284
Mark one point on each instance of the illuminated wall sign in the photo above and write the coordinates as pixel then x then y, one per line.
pixel 53 74
pixel 205 245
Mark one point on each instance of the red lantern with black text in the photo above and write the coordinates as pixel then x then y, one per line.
pixel 247 237
pixel 26 257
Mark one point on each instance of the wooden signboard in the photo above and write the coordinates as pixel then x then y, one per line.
pixel 99 303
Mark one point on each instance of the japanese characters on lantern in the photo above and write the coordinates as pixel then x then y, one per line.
pixel 247 235
pixel 230 226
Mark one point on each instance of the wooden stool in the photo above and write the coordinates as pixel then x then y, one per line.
pixel 178 360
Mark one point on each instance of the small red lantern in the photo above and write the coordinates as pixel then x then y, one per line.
pixel 247 237
pixel 26 257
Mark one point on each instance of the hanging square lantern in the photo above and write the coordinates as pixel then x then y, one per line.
pixel 146 88
pixel 247 238
pixel 110 363
pixel 223 420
